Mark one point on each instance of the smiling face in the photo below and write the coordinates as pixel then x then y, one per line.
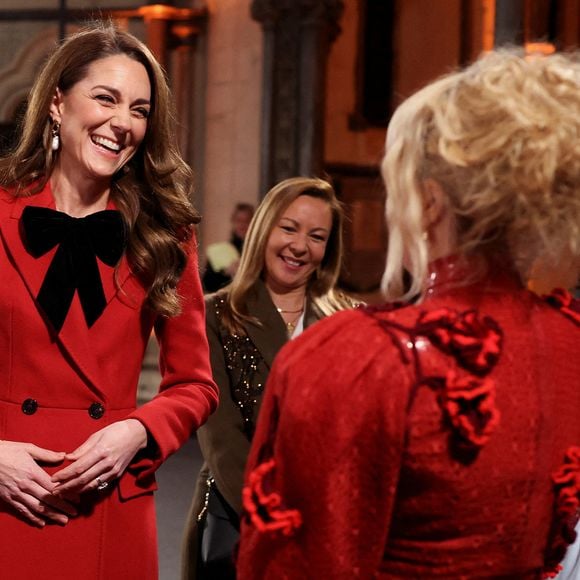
pixel 297 244
pixel 103 119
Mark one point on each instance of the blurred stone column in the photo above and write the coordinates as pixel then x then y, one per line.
pixel 184 38
pixel 509 22
pixel 297 37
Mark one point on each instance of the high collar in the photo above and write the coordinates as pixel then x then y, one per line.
pixel 477 273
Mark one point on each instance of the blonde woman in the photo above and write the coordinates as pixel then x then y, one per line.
pixel 285 283
pixel 440 440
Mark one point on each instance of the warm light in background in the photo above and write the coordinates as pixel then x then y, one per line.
pixel 488 28
pixel 539 48
pixel 164 12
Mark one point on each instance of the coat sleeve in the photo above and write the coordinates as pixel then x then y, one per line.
pixel 223 443
pixel 187 393
pixel 325 461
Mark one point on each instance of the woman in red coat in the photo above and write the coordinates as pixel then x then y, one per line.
pixel 97 249
pixel 440 440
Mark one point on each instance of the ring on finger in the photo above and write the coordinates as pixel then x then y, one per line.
pixel 101 485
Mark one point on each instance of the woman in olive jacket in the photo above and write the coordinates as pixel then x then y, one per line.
pixel 285 283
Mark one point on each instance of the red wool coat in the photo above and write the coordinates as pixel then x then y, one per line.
pixel 57 390
pixel 434 441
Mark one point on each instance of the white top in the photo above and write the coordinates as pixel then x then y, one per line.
pixel 299 328
pixel 571 563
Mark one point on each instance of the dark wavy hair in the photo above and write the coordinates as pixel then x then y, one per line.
pixel 152 191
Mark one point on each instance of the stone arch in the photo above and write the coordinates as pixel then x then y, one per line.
pixel 17 78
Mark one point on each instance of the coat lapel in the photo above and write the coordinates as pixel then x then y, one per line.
pixel 112 285
pixel 77 339
pixel 271 336
pixel 74 335
pixel 32 270
pixel 312 314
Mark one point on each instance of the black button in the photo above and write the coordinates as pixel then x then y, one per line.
pixel 96 410
pixel 29 406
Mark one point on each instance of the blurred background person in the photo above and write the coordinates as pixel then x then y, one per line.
pixel 223 258
pixel 440 440
pixel 98 249
pixel 286 282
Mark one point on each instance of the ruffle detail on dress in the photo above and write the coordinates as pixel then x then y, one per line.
pixel 470 406
pixel 565 303
pixel 566 511
pixel 552 573
pixel 465 392
pixel 473 341
pixel 264 508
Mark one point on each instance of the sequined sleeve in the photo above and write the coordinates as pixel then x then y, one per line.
pixel 242 361
pixel 224 439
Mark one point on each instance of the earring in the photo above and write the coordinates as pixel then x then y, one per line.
pixel 425 236
pixel 55 144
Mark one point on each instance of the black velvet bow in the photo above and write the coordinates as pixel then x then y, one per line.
pixel 74 266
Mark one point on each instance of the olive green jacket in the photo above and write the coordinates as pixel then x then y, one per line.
pixel 224 439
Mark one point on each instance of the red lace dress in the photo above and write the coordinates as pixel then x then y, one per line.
pixel 432 441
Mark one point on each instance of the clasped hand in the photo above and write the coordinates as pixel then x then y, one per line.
pixel 40 498
pixel 28 489
pixel 104 455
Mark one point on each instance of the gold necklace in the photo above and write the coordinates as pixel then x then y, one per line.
pixel 290 325
pixel 282 311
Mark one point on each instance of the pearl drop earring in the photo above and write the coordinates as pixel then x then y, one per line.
pixel 55 136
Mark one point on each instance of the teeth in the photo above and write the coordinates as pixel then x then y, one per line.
pixel 292 262
pixel 107 143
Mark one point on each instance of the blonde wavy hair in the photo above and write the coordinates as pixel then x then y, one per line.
pixel 502 138
pixel 322 286
pixel 152 191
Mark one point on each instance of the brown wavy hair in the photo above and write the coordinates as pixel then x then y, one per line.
pixel 321 288
pixel 152 191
